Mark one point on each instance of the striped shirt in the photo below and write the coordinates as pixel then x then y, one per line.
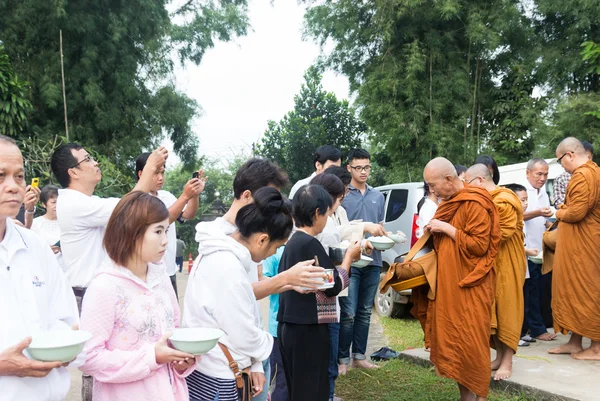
pixel 206 388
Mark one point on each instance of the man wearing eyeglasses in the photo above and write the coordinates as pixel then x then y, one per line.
pixel 82 217
pixel 536 216
pixel 559 186
pixel 365 203
pixel 576 281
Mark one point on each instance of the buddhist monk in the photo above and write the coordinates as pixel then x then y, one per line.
pixel 466 236
pixel 576 282
pixel 507 313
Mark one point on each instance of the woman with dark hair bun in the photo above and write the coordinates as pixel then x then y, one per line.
pixel 490 163
pixel 220 295
pixel 303 331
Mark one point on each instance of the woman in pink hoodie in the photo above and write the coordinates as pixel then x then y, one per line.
pixel 130 308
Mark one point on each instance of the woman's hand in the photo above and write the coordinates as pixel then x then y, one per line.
pixel 368 248
pixel 258 383
pixel 166 354
pixel 182 366
pixel 353 252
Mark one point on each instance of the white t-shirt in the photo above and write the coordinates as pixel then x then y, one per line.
pixel 299 184
pixel 535 227
pixel 35 296
pixel 170 254
pixel 82 220
pixel 49 230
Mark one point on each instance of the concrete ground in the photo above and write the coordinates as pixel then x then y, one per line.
pixel 542 375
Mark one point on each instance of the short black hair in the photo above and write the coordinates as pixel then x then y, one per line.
pixel 62 160
pixel 460 169
pixel 140 163
pixel 341 173
pixel 515 187
pixel 48 192
pixel 270 213
pixel 308 200
pixel 332 184
pixel 588 147
pixel 325 153
pixel 257 173
pixel 491 164
pixel 358 154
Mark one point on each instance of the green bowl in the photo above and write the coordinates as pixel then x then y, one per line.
pixel 195 341
pixel 59 345
pixel 363 262
pixel 381 243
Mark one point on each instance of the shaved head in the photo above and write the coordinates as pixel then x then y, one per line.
pixel 441 167
pixel 441 177
pixel 480 170
pixel 571 144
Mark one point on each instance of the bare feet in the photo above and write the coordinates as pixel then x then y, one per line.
pixel 342 369
pixel 546 337
pixel 589 354
pixel 502 373
pixel 567 348
pixel 363 364
pixel 496 364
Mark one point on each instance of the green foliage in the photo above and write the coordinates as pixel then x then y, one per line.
pixel 14 105
pixel 118 68
pixel 428 74
pixel 318 118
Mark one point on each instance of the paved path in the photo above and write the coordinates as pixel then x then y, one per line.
pixel 542 375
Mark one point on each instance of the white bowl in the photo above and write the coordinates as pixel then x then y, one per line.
pixel 58 345
pixel 364 261
pixel 195 341
pixel 381 243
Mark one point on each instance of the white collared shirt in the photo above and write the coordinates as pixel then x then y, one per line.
pixel 82 220
pixel 34 296
pixel 535 227
pixel 169 199
pixel 300 184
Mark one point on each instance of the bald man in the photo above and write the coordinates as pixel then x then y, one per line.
pixel 466 236
pixel 576 282
pixel 507 313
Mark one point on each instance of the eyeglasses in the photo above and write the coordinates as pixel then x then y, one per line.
pixel 469 182
pixel 560 158
pixel 88 158
pixel 361 168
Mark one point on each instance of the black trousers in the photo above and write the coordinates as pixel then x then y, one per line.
pixel 305 353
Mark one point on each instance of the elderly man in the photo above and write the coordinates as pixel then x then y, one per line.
pixel 559 187
pixel 576 285
pixel 536 217
pixel 466 234
pixel 34 294
pixel 507 314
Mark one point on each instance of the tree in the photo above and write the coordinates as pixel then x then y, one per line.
pixel 14 105
pixel 318 118
pixel 118 68
pixel 426 73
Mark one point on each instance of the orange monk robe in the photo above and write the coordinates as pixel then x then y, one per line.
pixel 460 317
pixel 507 314
pixel 576 277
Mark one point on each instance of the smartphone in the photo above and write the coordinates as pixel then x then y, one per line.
pixel 35 182
pixel 195 175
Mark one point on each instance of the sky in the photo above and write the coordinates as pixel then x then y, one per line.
pixel 240 85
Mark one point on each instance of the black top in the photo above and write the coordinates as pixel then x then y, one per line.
pixel 302 308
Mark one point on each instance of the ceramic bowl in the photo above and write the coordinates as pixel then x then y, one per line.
pixel 58 345
pixel 381 243
pixel 195 341
pixel 363 262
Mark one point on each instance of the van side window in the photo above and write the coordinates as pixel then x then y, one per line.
pixel 396 205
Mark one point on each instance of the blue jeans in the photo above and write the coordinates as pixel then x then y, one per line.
pixel 356 313
pixel 280 391
pixel 334 343
pixel 532 295
pixel 265 393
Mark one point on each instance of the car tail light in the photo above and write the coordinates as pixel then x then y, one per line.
pixel 413 238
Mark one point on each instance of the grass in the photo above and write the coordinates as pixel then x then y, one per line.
pixel 400 380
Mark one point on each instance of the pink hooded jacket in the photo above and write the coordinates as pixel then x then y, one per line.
pixel 126 317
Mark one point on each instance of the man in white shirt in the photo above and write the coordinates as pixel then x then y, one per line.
pixel 536 217
pixel 183 208
pixel 82 217
pixel 34 294
pixel 326 156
